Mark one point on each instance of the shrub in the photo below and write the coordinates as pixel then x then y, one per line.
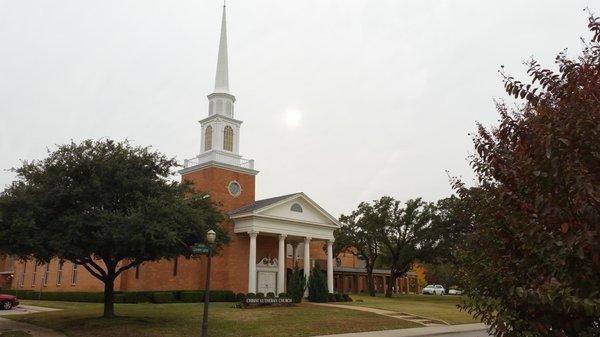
pixel 127 297
pixel 215 296
pixel 130 297
pixel 222 296
pixel 260 295
pixel 72 296
pixel 338 297
pixel 283 295
pixel 240 297
pixel 331 297
pixel 192 296
pixel 137 296
pixel 317 285
pixel 270 294
pixel 297 285
pixel 162 297
pixel 346 298
pixel 119 298
pixel 251 295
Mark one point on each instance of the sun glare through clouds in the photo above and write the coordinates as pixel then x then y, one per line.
pixel 292 118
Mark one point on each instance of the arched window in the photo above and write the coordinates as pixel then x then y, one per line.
pixel 208 138
pixel 228 138
pixel 296 208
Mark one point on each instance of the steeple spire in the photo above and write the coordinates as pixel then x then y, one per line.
pixel 222 77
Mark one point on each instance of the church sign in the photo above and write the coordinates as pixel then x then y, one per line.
pixel 267 301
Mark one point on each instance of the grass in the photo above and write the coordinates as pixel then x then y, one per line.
pixel 184 319
pixel 14 334
pixel 435 307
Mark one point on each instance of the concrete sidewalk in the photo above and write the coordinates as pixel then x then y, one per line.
pixel 471 330
pixel 25 309
pixel 424 321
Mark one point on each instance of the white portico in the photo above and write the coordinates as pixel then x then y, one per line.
pixel 293 219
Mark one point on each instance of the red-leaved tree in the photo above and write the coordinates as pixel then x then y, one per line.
pixel 531 265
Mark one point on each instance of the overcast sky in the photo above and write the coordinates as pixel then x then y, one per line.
pixel 343 100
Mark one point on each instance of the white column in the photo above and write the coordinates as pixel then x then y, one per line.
pixel 306 261
pixel 294 253
pixel 330 265
pixel 281 264
pixel 252 263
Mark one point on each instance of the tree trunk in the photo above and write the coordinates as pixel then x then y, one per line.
pixel 109 297
pixel 370 281
pixel 389 289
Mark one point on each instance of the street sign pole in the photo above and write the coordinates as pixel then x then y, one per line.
pixel 206 295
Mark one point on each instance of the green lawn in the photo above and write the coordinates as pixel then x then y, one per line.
pixel 14 334
pixel 430 306
pixel 183 319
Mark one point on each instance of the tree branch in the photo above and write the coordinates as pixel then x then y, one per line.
pixel 131 265
pixel 96 266
pixel 90 270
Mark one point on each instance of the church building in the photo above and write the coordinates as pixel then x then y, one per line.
pixel 267 237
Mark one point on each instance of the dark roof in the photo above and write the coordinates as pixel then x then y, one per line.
pixel 364 270
pixel 258 204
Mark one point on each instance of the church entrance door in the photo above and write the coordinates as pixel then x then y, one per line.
pixel 267 282
pixel 266 276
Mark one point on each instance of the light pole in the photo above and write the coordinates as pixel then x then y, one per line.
pixel 210 239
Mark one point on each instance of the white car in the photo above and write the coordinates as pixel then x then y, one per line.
pixel 434 289
pixel 455 292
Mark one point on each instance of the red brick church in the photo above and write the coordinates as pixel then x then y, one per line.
pixel 267 237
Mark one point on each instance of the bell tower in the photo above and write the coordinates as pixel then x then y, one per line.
pixel 219 168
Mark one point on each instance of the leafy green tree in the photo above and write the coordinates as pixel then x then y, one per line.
pixel 107 206
pixel 444 273
pixel 452 222
pixel 317 285
pixel 531 265
pixel 358 236
pixel 296 285
pixel 406 233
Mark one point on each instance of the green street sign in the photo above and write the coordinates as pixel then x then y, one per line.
pixel 200 249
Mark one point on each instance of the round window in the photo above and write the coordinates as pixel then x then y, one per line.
pixel 234 188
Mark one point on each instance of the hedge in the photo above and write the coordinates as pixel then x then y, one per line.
pixel 163 297
pixel 57 296
pixel 126 297
pixel 215 296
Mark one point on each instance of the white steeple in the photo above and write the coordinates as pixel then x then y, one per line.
pixel 222 76
pixel 220 130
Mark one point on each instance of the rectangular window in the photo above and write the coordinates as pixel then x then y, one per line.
pixel 175 266
pixel 59 273
pixel 34 274
pixel 46 274
pixel 22 281
pixel 11 263
pixel 74 275
pixel 137 272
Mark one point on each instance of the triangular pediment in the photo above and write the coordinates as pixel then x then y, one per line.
pixel 296 207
